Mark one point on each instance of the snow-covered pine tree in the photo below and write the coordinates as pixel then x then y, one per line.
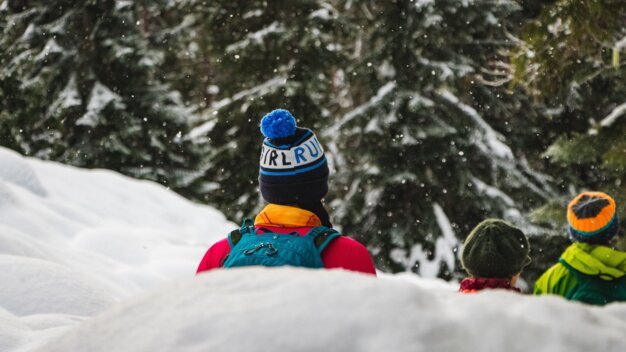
pixel 82 82
pixel 265 55
pixel 571 57
pixel 417 162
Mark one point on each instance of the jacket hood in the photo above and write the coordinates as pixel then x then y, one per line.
pixel 596 260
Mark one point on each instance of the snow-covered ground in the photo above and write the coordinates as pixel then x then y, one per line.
pixel 311 310
pixel 94 261
pixel 73 242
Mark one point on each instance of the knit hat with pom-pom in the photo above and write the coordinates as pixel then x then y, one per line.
pixel 293 167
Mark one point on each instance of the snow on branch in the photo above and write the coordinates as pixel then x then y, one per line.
pixel 363 108
pixel 260 90
pixel 489 135
pixel 491 191
pixel 423 3
pixel 615 114
pixel 444 251
pixel 101 96
pixel 448 69
pixel 326 13
pixel 67 98
pixel 51 47
pixel 448 241
pixel 256 37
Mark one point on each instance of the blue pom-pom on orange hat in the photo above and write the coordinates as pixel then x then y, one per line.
pixel 278 124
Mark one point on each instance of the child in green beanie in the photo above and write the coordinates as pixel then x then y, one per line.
pixel 494 255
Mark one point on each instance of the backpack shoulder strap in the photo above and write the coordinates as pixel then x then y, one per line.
pixel 322 236
pixel 247 227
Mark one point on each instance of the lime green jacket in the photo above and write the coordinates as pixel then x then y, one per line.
pixel 595 260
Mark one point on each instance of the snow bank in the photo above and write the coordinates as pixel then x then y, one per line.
pixel 73 242
pixel 308 310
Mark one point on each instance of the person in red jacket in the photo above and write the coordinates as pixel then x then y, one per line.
pixel 293 179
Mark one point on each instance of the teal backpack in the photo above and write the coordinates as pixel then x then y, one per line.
pixel 247 247
pixel 594 290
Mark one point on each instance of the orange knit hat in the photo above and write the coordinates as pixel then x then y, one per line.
pixel 592 217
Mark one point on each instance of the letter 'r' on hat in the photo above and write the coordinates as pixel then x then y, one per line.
pixel 592 218
pixel 293 167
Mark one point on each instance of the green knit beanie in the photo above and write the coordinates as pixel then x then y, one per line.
pixel 495 249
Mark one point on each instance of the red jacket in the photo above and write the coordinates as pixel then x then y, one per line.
pixel 343 252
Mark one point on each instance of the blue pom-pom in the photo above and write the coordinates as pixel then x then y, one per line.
pixel 278 124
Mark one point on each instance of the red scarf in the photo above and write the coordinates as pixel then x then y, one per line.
pixel 474 284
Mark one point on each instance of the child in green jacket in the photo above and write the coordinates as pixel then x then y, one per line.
pixel 590 270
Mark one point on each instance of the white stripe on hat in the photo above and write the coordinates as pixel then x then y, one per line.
pixel 305 153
